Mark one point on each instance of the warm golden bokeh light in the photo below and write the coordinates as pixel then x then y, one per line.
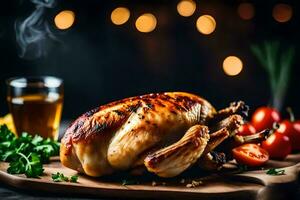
pixel 246 11
pixel 282 12
pixel 232 65
pixel 146 23
pixel 206 24
pixel 120 15
pixel 186 8
pixel 65 19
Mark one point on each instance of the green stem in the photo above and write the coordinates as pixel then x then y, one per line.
pixel 28 166
pixel 277 67
pixel 291 113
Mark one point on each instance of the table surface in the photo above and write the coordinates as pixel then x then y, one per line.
pixel 8 192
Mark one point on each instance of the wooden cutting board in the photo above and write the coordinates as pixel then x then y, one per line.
pixel 226 184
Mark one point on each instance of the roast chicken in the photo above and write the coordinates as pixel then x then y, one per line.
pixel 163 133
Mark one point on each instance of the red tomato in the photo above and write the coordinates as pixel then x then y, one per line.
pixel 292 130
pixel 250 154
pixel 264 117
pixel 296 135
pixel 277 145
pixel 246 129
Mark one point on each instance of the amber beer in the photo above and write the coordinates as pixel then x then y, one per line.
pixel 36 105
pixel 37 114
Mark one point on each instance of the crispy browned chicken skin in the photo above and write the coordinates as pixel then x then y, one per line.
pixel 164 132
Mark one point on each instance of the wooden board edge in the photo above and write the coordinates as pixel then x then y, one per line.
pixel 61 188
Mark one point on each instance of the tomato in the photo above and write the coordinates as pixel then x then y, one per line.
pixel 292 130
pixel 246 129
pixel 264 117
pixel 277 145
pixel 296 135
pixel 250 154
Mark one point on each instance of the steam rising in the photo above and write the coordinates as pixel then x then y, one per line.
pixel 33 34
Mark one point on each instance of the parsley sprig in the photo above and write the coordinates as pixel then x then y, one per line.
pixel 60 177
pixel 26 154
pixel 275 172
pixel 129 182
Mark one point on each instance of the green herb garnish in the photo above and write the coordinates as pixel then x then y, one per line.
pixel 242 168
pixel 74 179
pixel 129 182
pixel 26 154
pixel 60 177
pixel 275 172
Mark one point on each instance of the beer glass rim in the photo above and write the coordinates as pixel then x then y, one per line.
pixel 34 82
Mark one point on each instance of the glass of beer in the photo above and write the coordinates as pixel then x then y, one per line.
pixel 36 104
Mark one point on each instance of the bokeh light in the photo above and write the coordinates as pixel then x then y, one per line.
pixel 206 24
pixel 146 23
pixel 282 12
pixel 65 19
pixel 120 15
pixel 232 65
pixel 186 8
pixel 246 11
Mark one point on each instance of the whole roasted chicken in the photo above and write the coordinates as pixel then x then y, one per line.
pixel 164 133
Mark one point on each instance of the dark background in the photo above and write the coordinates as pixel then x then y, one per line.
pixel 101 62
